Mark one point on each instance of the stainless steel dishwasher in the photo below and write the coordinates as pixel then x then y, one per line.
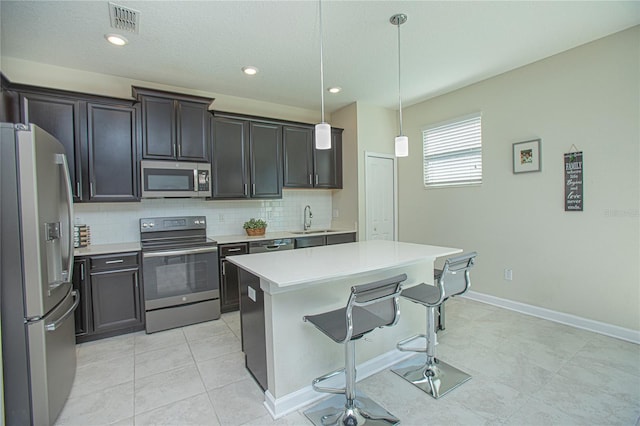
pixel 252 312
pixel 271 245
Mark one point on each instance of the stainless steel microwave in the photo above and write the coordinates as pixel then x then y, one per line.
pixel 175 179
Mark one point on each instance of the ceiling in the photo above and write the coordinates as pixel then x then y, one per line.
pixel 202 45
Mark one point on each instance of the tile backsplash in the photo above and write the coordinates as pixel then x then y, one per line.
pixel 119 222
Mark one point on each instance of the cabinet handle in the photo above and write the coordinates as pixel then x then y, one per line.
pixel 316 179
pixel 91 189
pixel 234 249
pixel 224 269
pixel 179 150
pixel 245 189
pixel 82 272
pixel 78 190
pixel 111 262
pixel 310 181
pixel 253 189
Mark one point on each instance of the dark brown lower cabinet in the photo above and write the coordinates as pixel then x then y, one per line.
pixel 253 329
pixel 229 281
pixel 110 296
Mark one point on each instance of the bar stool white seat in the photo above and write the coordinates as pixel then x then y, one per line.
pixel 426 371
pixel 370 306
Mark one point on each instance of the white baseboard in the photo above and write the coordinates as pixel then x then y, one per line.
pixel 291 402
pixel 575 321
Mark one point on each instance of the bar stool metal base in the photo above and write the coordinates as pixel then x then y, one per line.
pixel 436 379
pixel 334 411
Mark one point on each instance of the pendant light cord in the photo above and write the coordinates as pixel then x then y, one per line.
pixel 321 60
pixel 399 80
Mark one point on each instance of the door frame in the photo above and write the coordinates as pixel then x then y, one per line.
pixel 367 155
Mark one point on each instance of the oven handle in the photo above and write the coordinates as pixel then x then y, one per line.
pixel 179 252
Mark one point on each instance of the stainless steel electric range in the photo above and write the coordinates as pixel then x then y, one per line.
pixel 180 272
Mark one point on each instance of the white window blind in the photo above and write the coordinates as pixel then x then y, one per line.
pixel 453 152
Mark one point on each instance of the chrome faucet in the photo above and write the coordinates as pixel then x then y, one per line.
pixel 307 219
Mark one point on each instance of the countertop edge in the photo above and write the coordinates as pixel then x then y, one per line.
pixel 230 239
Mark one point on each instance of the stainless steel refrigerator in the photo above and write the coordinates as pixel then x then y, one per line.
pixel 36 296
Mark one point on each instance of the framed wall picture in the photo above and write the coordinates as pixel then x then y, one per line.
pixel 526 156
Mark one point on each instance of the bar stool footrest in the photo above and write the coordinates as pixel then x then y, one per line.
pixel 436 379
pixel 364 411
pixel 403 344
pixel 325 377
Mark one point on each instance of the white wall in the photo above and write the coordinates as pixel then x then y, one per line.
pixel 376 132
pixel 119 222
pixel 581 263
pixel 45 75
pixel 345 201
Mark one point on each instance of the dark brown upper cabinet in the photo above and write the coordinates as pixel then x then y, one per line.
pixel 112 152
pixel 246 158
pixel 174 126
pixel 62 117
pixel 100 136
pixel 307 167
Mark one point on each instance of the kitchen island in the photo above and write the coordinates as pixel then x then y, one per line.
pixel 278 289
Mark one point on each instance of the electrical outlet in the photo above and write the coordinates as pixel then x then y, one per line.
pixel 508 274
pixel 221 217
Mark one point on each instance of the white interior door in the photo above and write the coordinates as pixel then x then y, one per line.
pixel 381 199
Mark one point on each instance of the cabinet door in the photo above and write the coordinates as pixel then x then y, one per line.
pixel 253 328
pixel 230 158
pixel 266 160
pixel 341 238
pixel 328 163
pixel 193 131
pixel 158 128
pixel 116 301
pixel 298 156
pixel 314 241
pixel 113 165
pixel 60 117
pixel 230 287
pixel 81 285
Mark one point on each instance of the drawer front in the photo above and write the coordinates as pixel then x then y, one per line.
pixel 114 261
pixel 341 238
pixel 233 249
pixel 310 241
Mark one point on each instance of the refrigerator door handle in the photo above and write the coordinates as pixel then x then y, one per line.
pixel 62 162
pixel 54 325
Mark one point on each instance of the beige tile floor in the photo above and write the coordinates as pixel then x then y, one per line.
pixel 526 371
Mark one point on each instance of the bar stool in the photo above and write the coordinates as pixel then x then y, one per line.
pixel 429 373
pixel 369 306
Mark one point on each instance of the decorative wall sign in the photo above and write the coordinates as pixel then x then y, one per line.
pixel 573 188
pixel 526 156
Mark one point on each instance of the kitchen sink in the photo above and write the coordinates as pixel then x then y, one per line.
pixel 313 231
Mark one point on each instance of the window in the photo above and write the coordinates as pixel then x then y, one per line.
pixel 453 152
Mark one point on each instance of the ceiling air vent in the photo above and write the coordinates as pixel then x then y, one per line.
pixel 123 18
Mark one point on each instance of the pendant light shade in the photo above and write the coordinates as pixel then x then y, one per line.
pixel 323 129
pixel 402 142
pixel 402 146
pixel 323 136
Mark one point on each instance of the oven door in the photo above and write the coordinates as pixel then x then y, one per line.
pixel 178 277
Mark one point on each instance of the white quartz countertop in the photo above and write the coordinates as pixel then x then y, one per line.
pixel 292 268
pixel 226 239
pixel 94 249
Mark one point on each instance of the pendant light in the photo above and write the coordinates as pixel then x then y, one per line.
pixel 323 129
pixel 401 142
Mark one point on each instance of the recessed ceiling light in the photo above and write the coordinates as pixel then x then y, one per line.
pixel 250 70
pixel 116 39
pixel 334 89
